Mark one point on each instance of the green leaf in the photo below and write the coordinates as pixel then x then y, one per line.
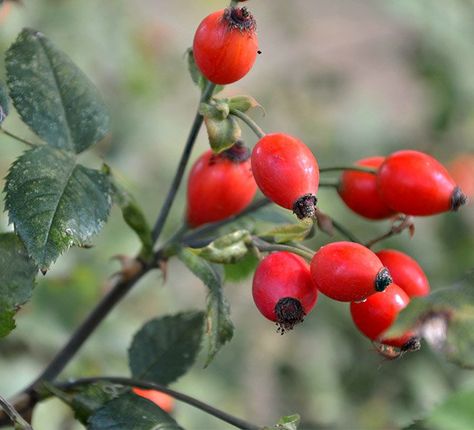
pixel 164 348
pixel 17 275
pixel 87 399
pixel 55 203
pixel 244 268
pixel 130 412
pixel 4 104
pixel 132 214
pixel 289 422
pixel 52 95
pixel 289 232
pixel 222 133
pixel 243 103
pixel 226 249
pixel 216 109
pixel 219 326
pixel 445 319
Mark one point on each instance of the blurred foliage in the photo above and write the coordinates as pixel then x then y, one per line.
pixel 352 79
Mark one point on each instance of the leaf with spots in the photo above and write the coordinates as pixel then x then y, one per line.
pixel 54 202
pixel 164 348
pixel 52 95
pixel 17 279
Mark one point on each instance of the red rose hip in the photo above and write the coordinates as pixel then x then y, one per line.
pixel 219 185
pixel 283 290
pixel 415 183
pixel 225 45
pixel 405 271
pixel 160 399
pixel 376 314
pixel 287 173
pixel 358 190
pixel 348 272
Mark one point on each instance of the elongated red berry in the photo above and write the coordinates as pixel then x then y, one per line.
pixel 358 190
pixel 375 315
pixel 406 272
pixel 287 173
pixel 415 183
pixel 219 185
pixel 162 400
pixel 283 290
pixel 225 45
pixel 348 272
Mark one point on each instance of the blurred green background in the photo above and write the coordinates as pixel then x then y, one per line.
pixel 351 79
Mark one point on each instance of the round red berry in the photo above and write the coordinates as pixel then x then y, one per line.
pixel 287 173
pixel 348 272
pixel 406 272
pixel 415 183
pixel 219 185
pixel 358 190
pixel 376 314
pixel 283 290
pixel 225 45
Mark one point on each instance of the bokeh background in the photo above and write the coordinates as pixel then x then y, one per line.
pixel 351 79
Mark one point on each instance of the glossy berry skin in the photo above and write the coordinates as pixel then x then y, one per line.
pixel 376 314
pixel 406 272
pixel 225 45
pixel 348 271
pixel 162 400
pixel 358 190
pixel 414 183
pixel 218 187
pixel 287 172
pixel 280 276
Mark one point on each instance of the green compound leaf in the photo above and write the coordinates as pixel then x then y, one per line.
pixel 219 326
pixel 52 95
pixel 243 269
pixel 4 103
pixel 164 348
pixel 17 275
pixel 445 319
pixel 130 412
pixel 55 203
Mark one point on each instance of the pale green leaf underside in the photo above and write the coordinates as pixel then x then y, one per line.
pixel 131 412
pixel 17 274
pixel 220 328
pixel 164 348
pixel 55 203
pixel 52 95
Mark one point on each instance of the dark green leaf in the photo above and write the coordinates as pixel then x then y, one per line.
pixel 52 96
pixel 133 215
pixel 17 275
pixel 289 232
pixel 4 105
pixel 241 270
pixel 130 412
pixel 55 203
pixel 226 249
pixel 445 319
pixel 164 348
pixel 219 326
pixel 222 133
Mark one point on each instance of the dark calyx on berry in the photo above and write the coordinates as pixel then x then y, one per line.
pixel 238 153
pixel 458 198
pixel 305 206
pixel 240 19
pixel 289 312
pixel 383 279
pixel 412 345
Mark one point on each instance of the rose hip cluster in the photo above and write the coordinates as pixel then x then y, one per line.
pixel 285 287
